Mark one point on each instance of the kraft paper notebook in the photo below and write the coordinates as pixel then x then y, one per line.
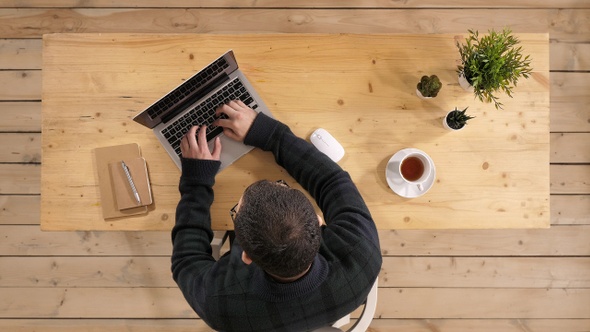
pixel 116 197
pixel 124 194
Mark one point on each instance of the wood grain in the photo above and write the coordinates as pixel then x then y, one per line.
pixel 20 209
pixel 565 209
pixel 400 272
pixel 480 325
pixel 20 53
pixel 497 172
pixel 18 179
pixel 100 325
pixel 485 272
pixel 20 116
pixel 17 85
pixel 24 240
pixel 571 240
pixel 567 25
pixel 378 325
pixel 392 303
pixel 570 148
pixel 372 4
pixel 94 303
pixel 569 56
pixel 568 113
pixel 482 303
pixel 570 179
pixel 26 54
pixel 559 240
pixel 570 209
pixel 23 148
pixel 85 271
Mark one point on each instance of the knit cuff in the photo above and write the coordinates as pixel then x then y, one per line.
pixel 200 171
pixel 261 131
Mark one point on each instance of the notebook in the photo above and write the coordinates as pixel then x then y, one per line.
pixel 195 101
pixel 131 193
pixel 103 157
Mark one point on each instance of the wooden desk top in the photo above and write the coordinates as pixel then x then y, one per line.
pixel 361 88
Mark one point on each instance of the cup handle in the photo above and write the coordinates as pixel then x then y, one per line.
pixel 420 187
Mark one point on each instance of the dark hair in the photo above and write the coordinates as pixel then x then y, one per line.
pixel 278 228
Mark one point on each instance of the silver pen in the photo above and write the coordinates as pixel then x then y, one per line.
pixel 130 180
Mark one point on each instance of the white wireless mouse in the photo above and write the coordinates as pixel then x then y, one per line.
pixel 327 144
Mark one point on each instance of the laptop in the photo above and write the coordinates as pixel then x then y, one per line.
pixel 195 101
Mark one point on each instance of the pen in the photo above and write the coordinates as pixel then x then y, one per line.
pixel 130 180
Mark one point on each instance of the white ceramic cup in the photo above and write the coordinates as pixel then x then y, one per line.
pixel 415 168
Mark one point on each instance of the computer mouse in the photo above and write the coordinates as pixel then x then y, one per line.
pixel 327 144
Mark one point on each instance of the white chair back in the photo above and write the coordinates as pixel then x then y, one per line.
pixel 365 319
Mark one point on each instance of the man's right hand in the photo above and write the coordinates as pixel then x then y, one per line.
pixel 194 148
pixel 239 121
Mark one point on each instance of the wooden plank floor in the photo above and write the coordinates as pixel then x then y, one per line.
pixel 455 280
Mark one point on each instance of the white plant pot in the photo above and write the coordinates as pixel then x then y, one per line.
pixel 419 94
pixel 464 83
pixel 446 126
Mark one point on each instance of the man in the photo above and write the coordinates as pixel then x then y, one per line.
pixel 283 272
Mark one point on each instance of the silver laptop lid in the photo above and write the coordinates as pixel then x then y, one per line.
pixel 188 92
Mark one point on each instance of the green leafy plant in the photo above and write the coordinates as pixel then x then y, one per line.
pixel 429 86
pixel 493 63
pixel 457 119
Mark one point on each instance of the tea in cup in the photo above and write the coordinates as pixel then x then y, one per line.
pixel 415 168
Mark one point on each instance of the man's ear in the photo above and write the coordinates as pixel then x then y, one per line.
pixel 246 259
pixel 321 221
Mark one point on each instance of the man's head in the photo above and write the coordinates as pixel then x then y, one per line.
pixel 278 228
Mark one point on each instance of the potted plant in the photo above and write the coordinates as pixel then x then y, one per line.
pixel 456 119
pixel 428 87
pixel 491 64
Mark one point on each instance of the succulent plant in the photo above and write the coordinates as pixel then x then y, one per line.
pixel 457 119
pixel 429 86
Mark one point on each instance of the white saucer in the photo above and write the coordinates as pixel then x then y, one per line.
pixel 397 184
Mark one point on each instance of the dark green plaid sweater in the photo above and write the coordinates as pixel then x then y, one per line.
pixel 232 296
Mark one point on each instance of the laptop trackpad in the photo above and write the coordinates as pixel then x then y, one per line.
pixel 230 150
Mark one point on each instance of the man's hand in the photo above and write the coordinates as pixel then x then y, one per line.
pixel 240 118
pixel 194 148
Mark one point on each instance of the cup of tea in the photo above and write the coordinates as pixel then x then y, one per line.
pixel 415 168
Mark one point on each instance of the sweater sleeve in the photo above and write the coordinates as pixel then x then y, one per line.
pixel 330 186
pixel 192 234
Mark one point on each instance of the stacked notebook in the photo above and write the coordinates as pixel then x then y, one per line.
pixel 123 181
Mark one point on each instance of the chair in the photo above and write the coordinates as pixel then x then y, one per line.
pixel 364 320
pixel 219 238
pixel 369 306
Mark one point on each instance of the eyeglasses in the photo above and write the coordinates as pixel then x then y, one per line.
pixel 233 212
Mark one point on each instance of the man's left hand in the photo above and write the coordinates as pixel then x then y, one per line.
pixel 197 148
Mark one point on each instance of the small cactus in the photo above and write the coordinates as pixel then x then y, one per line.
pixel 429 86
pixel 457 119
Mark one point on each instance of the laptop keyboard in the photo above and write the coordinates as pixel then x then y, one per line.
pixel 204 113
pixel 192 84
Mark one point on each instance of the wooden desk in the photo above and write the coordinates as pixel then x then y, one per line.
pixel 361 88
